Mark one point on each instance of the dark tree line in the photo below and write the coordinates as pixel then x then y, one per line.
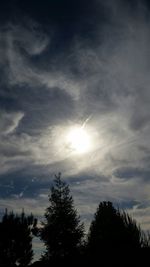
pixel 16 233
pixel 64 236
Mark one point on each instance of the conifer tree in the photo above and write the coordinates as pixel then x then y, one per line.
pixel 112 229
pixel 62 232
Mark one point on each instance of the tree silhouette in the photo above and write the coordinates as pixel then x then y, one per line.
pixel 111 229
pixel 62 232
pixel 16 239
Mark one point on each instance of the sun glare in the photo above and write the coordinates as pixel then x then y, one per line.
pixel 78 140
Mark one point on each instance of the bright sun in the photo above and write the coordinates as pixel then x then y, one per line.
pixel 78 140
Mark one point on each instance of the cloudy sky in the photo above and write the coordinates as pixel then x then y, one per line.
pixel 66 64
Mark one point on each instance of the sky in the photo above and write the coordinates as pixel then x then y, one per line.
pixel 66 64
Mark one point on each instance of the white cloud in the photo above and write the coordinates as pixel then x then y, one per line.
pixel 9 121
pixel 111 83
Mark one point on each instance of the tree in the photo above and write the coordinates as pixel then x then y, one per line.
pixel 112 229
pixel 16 239
pixel 62 232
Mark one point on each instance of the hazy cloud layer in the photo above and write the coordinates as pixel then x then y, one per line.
pixel 61 64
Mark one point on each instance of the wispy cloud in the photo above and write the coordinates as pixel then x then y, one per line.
pixel 9 121
pixel 55 75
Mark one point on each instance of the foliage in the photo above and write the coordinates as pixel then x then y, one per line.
pixel 16 239
pixel 145 240
pixel 62 232
pixel 112 229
